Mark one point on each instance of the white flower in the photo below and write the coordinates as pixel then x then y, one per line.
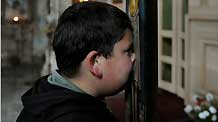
pixel 209 97
pixel 201 115
pixel 214 118
pixel 197 108
pixel 206 113
pixel 188 109
pixel 212 109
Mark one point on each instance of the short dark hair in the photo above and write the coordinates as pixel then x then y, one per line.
pixel 84 27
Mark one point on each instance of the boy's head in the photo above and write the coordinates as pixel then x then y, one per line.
pixel 94 33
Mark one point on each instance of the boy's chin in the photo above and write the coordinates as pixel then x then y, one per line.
pixel 110 93
pixel 115 91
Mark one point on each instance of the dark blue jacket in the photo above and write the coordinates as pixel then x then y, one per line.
pixel 45 102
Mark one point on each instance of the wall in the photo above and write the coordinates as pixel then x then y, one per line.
pixel 21 42
pixel 16 37
pixel 202 33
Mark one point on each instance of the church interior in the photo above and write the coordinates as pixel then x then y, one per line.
pixel 187 48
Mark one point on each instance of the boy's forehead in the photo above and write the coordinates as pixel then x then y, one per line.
pixel 128 37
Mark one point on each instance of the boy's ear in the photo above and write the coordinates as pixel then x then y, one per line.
pixel 93 63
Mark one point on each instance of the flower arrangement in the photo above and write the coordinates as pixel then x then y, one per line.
pixel 203 109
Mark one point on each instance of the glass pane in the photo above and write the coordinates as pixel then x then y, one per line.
pixel 167 46
pixel 167 15
pixel 166 72
pixel 183 77
pixel 184 12
pixel 183 49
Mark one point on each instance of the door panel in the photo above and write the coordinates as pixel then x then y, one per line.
pixel 172 46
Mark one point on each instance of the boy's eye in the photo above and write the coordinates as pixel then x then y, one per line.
pixel 129 52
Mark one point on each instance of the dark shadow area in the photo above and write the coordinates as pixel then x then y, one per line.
pixel 171 108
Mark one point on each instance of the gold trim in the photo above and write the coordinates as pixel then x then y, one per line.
pixel 133 7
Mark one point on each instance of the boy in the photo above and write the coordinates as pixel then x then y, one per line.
pixel 93 47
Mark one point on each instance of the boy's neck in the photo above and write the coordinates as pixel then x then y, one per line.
pixel 86 85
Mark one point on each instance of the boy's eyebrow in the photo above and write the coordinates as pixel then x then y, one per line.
pixel 130 47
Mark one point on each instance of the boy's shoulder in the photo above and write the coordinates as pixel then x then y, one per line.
pixel 50 103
